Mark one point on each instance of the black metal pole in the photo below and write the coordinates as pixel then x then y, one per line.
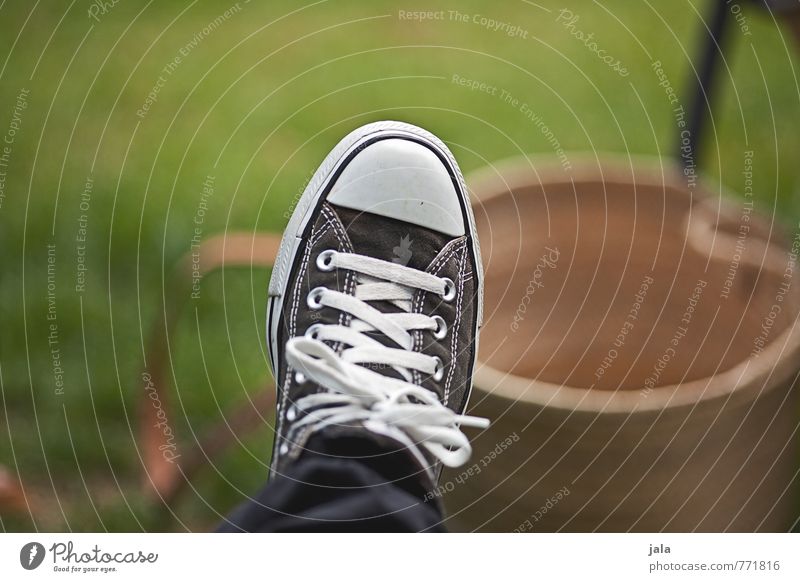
pixel 700 104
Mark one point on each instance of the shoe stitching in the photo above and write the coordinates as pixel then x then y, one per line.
pixel 456 329
pixel 332 223
pixel 416 306
pixel 313 239
pixel 434 268
pixel 344 245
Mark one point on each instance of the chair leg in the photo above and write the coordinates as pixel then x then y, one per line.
pixel 169 464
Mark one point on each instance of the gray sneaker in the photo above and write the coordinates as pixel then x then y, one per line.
pixel 376 299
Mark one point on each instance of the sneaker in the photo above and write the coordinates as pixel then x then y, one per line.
pixel 376 300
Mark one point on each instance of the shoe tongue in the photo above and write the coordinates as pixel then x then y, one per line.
pixel 390 239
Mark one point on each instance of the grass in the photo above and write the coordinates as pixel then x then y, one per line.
pixel 257 103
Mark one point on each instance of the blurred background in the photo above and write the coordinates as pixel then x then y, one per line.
pixel 131 127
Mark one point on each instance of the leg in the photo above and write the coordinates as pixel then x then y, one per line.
pixel 374 307
pixel 325 492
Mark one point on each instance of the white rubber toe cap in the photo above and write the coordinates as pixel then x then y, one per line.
pixel 401 179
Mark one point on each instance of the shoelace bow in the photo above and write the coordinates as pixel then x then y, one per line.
pixel 356 391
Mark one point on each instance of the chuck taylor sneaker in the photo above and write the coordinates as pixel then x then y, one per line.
pixel 376 300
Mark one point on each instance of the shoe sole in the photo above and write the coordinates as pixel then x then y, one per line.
pixel 315 193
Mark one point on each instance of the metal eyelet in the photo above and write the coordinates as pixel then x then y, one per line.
pixel 299 377
pixel 438 373
pixel 313 331
pixel 291 413
pixel 314 297
pixel 441 328
pixel 325 260
pixel 283 449
pixel 449 289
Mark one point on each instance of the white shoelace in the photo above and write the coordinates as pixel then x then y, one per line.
pixel 356 391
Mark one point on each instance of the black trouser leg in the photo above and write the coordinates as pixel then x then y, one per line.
pixel 325 492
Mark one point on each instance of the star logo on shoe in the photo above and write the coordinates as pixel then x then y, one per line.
pixel 402 252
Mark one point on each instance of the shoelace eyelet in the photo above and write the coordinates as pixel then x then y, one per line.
pixel 284 449
pixel 438 373
pixel 299 377
pixel 291 413
pixel 325 260
pixel 313 331
pixel 449 289
pixel 314 297
pixel 441 328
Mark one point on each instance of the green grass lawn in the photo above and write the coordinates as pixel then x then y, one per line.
pixel 256 101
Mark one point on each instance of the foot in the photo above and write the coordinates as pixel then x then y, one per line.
pixel 376 299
